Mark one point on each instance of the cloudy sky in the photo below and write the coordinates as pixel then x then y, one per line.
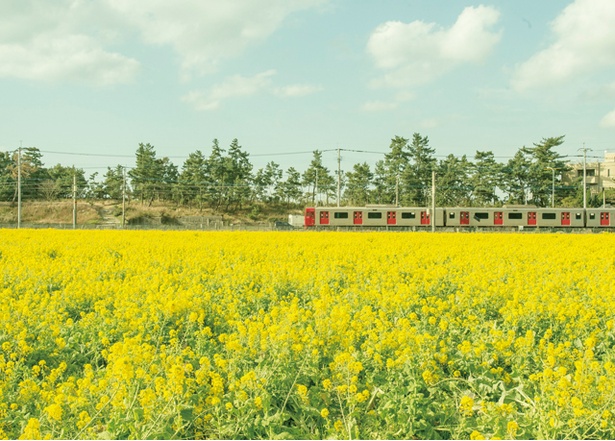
pixel 86 81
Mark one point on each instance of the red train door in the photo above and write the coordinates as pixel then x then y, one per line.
pixel 424 218
pixel 310 217
pixel 605 219
pixel 531 218
pixel 391 218
pixel 358 218
pixel 464 218
pixel 324 218
pixel 565 218
pixel 498 218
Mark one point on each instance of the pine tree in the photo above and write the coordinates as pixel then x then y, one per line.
pixel 416 177
pixel 359 184
pixel 145 175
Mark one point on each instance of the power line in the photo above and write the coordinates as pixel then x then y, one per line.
pixel 101 155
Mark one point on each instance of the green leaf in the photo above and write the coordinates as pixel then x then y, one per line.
pixel 187 414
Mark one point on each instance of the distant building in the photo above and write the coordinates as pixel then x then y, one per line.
pixel 599 175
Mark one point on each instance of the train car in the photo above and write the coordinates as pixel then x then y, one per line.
pixel 457 217
pixel 514 217
pixel 560 217
pixel 600 217
pixel 371 216
pixel 475 217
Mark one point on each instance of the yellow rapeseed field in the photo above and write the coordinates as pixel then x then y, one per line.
pixel 119 334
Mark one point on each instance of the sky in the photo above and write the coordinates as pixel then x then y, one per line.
pixel 86 81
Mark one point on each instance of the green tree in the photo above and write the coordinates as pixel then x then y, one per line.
pixel 544 158
pixel 194 178
pixel 33 172
pixel 113 184
pixel 390 174
pixel 217 189
pixel 266 180
pixel 63 177
pixel 416 178
pixel 239 174
pixel 146 173
pixel 452 186
pixel 485 178
pixel 8 183
pixel 381 193
pixel 358 185
pixel 516 178
pixel 95 190
pixel 167 179
pixel 289 190
pixel 318 178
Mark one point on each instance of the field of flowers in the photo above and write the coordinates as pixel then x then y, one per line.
pixel 119 334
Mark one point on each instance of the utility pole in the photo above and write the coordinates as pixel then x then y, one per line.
pixel 433 201
pixel 552 187
pixel 74 199
pixel 123 197
pixel 584 176
pixel 315 187
pixel 19 186
pixel 339 176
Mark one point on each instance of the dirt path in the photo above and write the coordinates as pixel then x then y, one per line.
pixel 108 220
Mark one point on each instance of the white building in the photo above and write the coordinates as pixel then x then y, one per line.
pixel 599 175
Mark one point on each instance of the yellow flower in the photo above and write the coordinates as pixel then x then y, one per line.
pixel 258 402
pixel 476 435
pixel 466 405
pixel 54 411
pixel 511 428
pixel 32 430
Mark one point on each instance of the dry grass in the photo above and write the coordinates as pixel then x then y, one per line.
pixel 48 213
pixel 101 212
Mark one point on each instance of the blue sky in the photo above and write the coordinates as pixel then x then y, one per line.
pixel 285 77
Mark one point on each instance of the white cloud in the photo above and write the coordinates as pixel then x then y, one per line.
pixel 243 86
pixel 234 86
pixel 609 120
pixel 417 52
pixel 42 39
pixel 70 57
pixel 297 90
pixel 429 123
pixel 584 43
pixel 379 106
pixel 60 40
pixel 204 33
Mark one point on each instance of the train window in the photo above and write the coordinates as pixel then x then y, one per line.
pixel 592 215
pixel 374 215
pixel 577 216
pixel 408 215
pixel 340 215
pixel 451 215
pixel 515 215
pixel 481 215
pixel 548 216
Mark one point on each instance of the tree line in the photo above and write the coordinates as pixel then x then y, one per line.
pixel 225 179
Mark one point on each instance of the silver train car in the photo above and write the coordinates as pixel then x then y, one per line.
pixel 458 217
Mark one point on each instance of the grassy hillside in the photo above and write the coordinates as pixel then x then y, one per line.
pixel 100 214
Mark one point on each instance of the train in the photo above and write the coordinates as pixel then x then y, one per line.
pixel 457 218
